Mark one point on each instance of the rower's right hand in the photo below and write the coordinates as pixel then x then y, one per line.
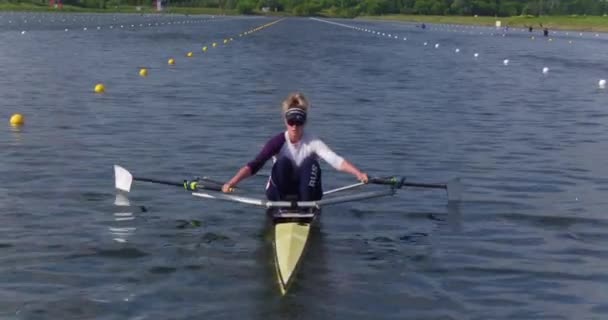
pixel 227 188
pixel 362 176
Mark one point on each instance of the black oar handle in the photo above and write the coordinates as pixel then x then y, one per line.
pixel 392 181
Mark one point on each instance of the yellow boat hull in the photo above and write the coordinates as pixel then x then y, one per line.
pixel 289 244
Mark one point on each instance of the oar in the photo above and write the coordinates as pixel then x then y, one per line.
pixel 124 179
pixel 453 187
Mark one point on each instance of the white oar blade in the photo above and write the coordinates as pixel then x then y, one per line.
pixel 123 178
pixel 454 189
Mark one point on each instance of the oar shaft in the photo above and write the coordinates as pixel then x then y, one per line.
pixel 177 184
pixel 169 183
pixel 425 185
pixel 400 182
pixel 343 188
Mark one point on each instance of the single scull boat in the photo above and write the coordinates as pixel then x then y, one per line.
pixel 292 220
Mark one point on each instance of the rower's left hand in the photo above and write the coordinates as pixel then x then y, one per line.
pixel 362 176
pixel 227 188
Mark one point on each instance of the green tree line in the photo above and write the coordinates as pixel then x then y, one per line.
pixel 351 8
pixel 422 7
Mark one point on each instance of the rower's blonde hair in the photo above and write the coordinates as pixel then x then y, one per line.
pixel 295 100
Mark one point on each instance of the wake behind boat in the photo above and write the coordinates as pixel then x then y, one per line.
pixel 292 220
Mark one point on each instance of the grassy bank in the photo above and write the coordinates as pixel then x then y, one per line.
pixel 30 7
pixel 579 23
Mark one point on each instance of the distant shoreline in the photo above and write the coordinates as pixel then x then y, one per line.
pixel 28 7
pixel 573 23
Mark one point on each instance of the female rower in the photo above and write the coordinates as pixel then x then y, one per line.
pixel 296 171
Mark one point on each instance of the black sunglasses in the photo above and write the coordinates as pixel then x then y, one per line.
pixel 296 122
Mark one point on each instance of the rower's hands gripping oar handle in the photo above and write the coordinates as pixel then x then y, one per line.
pixel 205 184
pixel 190 185
pixel 395 182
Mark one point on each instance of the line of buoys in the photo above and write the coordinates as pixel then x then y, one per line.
pixel 122 26
pixel 17 119
pixel 462 28
pixel 451 28
pixel 190 54
pixel 143 72
pixel 545 70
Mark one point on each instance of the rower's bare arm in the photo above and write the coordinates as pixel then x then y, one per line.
pixel 350 168
pixel 243 173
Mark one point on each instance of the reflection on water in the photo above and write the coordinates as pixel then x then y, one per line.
pixel 17 136
pixel 454 217
pixel 121 200
pixel 313 271
pixel 124 231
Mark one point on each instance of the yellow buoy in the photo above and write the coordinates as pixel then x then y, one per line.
pixel 171 61
pixel 189 54
pixel 225 41
pixel 143 72
pixel 17 120
pixel 205 49
pixel 214 45
pixel 100 88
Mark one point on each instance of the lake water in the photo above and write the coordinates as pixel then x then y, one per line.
pixel 527 241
